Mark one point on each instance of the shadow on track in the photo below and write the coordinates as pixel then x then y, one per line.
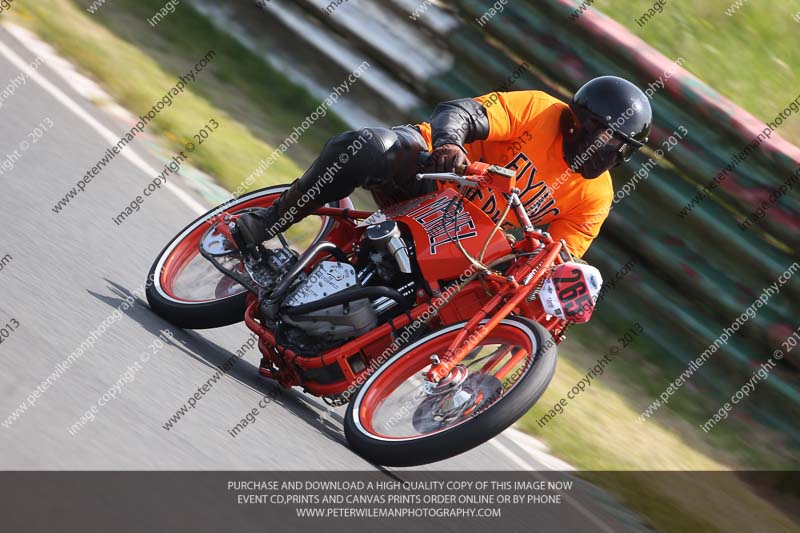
pixel 207 352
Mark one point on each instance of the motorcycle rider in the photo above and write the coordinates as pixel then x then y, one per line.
pixel 561 152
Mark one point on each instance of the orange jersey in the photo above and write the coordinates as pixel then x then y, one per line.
pixel 525 136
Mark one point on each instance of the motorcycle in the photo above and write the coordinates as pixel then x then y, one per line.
pixel 436 326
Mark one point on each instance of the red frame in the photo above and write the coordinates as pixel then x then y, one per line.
pixel 497 296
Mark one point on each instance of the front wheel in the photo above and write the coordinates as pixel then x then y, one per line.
pixel 188 291
pixel 396 420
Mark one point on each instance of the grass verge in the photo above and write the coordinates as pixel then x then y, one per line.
pixel 138 64
pixel 598 431
pixel 750 56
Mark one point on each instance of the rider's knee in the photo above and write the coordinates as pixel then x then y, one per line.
pixel 378 159
pixel 366 144
pixel 364 154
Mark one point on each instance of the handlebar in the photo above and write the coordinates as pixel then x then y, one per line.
pixel 462 180
pixel 475 174
pixel 479 174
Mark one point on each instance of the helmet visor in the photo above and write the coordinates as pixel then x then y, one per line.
pixel 613 145
pixel 610 148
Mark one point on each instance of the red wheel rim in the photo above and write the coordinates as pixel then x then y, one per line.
pixel 185 252
pixel 411 364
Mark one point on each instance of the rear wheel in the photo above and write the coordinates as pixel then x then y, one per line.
pixel 396 419
pixel 187 290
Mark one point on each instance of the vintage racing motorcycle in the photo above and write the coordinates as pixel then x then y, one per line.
pixel 434 325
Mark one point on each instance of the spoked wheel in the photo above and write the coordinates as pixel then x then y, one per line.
pixel 397 419
pixel 187 290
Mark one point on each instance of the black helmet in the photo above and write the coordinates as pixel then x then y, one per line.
pixel 609 118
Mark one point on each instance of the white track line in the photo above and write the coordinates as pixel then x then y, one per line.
pixel 537 450
pixel 514 458
pixel 104 132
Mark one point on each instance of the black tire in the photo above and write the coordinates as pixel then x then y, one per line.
pixel 467 435
pixel 216 313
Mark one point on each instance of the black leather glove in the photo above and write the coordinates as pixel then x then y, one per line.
pixel 447 158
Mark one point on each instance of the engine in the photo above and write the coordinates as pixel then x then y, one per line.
pixel 336 301
pixel 331 323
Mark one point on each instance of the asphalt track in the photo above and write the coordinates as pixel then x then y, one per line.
pixel 70 271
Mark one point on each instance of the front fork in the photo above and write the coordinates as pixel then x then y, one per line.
pixel 474 332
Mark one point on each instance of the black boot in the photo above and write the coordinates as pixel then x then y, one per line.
pixel 263 224
pixel 253 228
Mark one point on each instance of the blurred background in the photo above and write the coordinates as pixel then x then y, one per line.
pixel 683 269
